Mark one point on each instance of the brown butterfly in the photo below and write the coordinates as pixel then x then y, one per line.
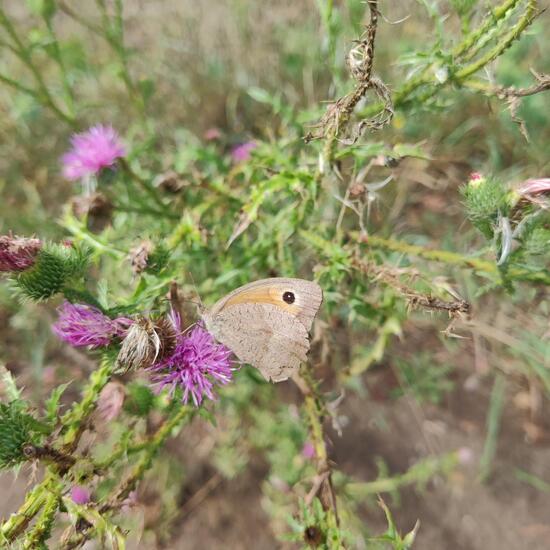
pixel 266 323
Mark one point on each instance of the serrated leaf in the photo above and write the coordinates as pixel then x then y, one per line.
pixel 8 383
pixel 52 403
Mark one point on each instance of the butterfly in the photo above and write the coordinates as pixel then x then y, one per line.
pixel 266 323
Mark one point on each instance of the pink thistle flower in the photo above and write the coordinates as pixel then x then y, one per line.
pixel 84 325
pixel 196 364
pixel 308 450
pixel 534 186
pixel 536 191
pixel 91 152
pixel 242 152
pixel 18 253
pixel 80 495
pixel 475 176
pixel 476 179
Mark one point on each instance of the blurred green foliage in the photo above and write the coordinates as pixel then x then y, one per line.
pixel 289 210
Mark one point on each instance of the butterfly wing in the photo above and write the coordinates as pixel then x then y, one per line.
pixel 303 298
pixel 263 335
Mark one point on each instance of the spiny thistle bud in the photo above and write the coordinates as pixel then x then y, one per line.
pixel 537 241
pixel 55 265
pixel 146 341
pixel 139 400
pixel 18 253
pixel 17 431
pixel 140 255
pixel 485 199
pixel 149 258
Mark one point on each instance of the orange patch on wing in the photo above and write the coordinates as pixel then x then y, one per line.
pixel 268 295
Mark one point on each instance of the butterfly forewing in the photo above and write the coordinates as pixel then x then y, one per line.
pixel 266 323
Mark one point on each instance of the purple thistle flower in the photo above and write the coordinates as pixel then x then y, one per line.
pixel 84 325
pixel 18 253
pixel 80 495
pixel 242 152
pixel 197 363
pixel 93 150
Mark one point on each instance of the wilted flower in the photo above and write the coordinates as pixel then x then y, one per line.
pixel 197 363
pixel 80 495
pixel 84 325
pixel 96 208
pixel 93 150
pixel 242 152
pixel 147 341
pixel 534 186
pixel 110 401
pixel 139 256
pixel 18 253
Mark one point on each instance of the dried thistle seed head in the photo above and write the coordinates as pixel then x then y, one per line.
pixel 146 342
pixel 167 334
pixel 96 204
pixel 357 190
pixel 140 255
pixel 171 182
pixel 139 347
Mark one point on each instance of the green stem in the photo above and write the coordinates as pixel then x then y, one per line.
pixel 24 55
pixel 152 447
pixel 426 78
pixel 493 426
pixel 526 19
pixel 18 522
pixel 314 409
pixel 42 529
pixel 454 259
pixel 471 42
pixel 146 186
pixel 113 32
pixel 420 473
pixel 58 57
pixel 74 421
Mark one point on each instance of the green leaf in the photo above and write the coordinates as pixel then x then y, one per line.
pixel 52 403
pixel 9 385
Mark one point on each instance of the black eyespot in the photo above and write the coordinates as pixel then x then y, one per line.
pixel 289 297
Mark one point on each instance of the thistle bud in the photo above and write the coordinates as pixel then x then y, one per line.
pixel 146 257
pixel 485 199
pixel 139 400
pixel 17 431
pixel 55 265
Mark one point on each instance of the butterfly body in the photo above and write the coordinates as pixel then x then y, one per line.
pixel 266 323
